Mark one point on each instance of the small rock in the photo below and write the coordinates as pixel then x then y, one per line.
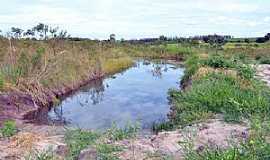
pixel 88 154
pixel 62 150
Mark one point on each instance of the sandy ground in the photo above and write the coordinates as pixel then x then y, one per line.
pixel 263 73
pixel 173 144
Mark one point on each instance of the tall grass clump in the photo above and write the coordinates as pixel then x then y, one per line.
pixel 216 93
pixel 1 81
pixel 116 134
pixel 9 129
pixel 78 140
pixel 192 64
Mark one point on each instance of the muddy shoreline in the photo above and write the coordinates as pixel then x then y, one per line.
pixel 24 107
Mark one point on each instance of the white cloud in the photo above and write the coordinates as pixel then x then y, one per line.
pixel 140 18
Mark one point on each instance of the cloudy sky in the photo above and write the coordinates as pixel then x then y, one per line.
pixel 141 18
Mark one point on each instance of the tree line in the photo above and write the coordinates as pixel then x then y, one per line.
pixel 263 39
pixel 39 32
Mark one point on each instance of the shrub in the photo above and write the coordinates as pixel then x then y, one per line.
pixel 8 129
pixel 218 61
pixel 246 71
pixel 265 60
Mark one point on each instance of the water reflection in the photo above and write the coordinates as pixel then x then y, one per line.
pixel 138 94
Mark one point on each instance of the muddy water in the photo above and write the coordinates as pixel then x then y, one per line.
pixel 137 95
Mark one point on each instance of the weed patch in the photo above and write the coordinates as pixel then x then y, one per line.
pixel 9 129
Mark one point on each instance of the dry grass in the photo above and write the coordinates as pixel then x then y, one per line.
pixel 203 71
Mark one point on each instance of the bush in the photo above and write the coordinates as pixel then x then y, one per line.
pixel 9 129
pixel 246 71
pixel 219 93
pixel 265 60
pixel 218 61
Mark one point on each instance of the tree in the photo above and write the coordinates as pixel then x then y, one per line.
pixel 16 32
pixel 112 37
pixel 29 33
pixel 53 31
pixel 267 37
pixel 247 40
pixel 162 38
pixel 42 29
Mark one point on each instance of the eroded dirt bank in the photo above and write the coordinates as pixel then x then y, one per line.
pixel 24 106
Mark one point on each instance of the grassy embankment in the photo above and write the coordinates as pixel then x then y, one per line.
pixel 224 84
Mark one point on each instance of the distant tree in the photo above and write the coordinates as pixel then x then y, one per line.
pixel 53 31
pixel 247 40
pixel 122 40
pixel 260 40
pixel 29 33
pixel 42 30
pixel 16 32
pixel 162 38
pixel 112 37
pixel 263 39
pixel 267 37
pixel 63 35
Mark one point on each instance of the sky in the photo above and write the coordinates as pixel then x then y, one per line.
pixel 131 19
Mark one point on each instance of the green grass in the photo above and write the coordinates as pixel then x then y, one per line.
pixel 9 129
pixel 116 134
pixel 41 155
pixel 78 139
pixel 1 81
pixel 219 93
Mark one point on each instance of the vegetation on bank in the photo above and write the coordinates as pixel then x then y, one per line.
pixel 224 83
